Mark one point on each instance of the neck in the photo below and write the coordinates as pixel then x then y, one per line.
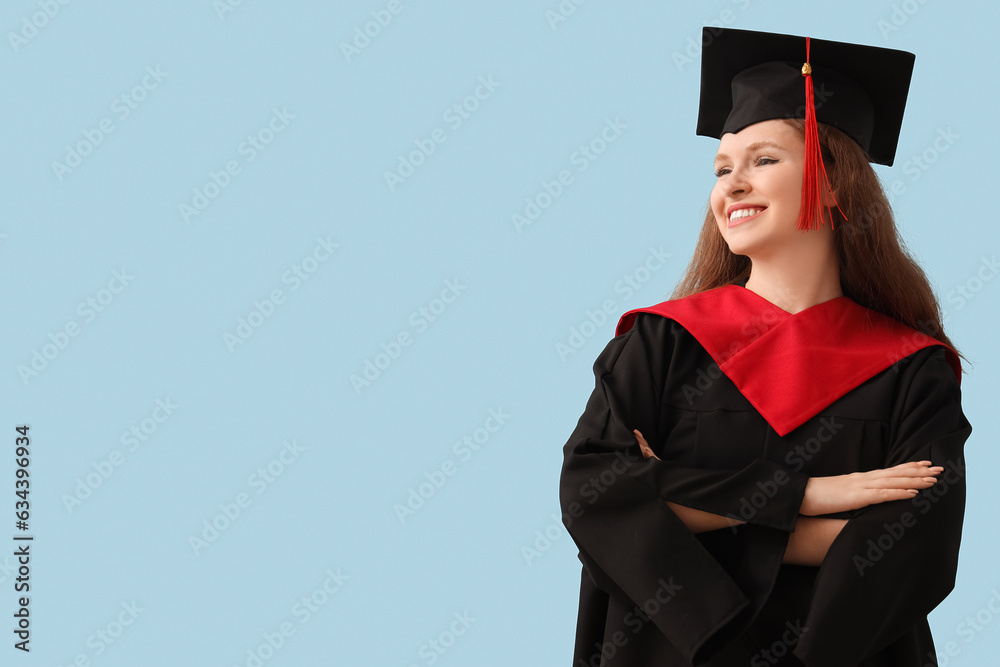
pixel 796 283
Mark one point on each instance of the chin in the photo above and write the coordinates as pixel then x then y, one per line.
pixel 740 250
pixel 740 246
pixel 759 240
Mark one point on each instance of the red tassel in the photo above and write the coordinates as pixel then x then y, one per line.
pixel 812 214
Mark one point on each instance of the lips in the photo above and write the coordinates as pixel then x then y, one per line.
pixel 741 213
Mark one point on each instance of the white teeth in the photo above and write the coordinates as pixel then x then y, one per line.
pixel 744 212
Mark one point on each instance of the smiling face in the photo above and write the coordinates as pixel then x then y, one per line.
pixel 758 190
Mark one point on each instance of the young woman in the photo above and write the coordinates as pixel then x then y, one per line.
pixel 770 470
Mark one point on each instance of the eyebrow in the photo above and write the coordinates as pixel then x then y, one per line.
pixel 751 148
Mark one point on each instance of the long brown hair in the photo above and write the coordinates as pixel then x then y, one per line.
pixel 876 270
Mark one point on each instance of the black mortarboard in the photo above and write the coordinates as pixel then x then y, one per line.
pixel 749 76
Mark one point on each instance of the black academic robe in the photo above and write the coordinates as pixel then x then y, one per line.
pixel 653 593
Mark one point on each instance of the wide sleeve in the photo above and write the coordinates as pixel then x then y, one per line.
pixel 894 562
pixel 613 501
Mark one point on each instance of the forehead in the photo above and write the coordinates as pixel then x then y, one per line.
pixel 774 134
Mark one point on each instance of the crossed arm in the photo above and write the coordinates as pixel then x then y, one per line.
pixel 812 537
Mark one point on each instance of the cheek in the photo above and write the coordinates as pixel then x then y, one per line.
pixel 721 223
pixel 716 200
pixel 791 190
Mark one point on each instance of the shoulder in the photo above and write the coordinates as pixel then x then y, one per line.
pixel 653 327
pixel 909 346
pixel 686 309
pixel 931 365
pixel 645 346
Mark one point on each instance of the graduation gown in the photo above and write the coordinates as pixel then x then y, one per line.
pixel 743 402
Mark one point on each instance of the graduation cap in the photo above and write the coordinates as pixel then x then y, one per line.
pixel 749 76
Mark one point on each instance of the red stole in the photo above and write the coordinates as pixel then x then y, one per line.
pixel 791 366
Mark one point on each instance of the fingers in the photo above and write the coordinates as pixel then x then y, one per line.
pixel 910 468
pixel 859 489
pixel 886 495
pixel 901 483
pixel 914 474
pixel 647 451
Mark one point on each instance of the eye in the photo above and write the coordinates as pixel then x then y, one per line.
pixel 765 160
pixel 721 171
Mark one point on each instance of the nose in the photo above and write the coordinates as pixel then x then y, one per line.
pixel 738 182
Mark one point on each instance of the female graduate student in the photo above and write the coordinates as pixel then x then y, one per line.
pixel 770 469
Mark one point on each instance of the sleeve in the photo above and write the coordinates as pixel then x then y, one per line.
pixel 894 562
pixel 613 500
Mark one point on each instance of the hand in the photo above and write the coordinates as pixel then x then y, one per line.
pixel 697 521
pixel 826 495
pixel 647 451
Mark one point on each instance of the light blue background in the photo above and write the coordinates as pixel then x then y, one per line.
pixel 492 348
